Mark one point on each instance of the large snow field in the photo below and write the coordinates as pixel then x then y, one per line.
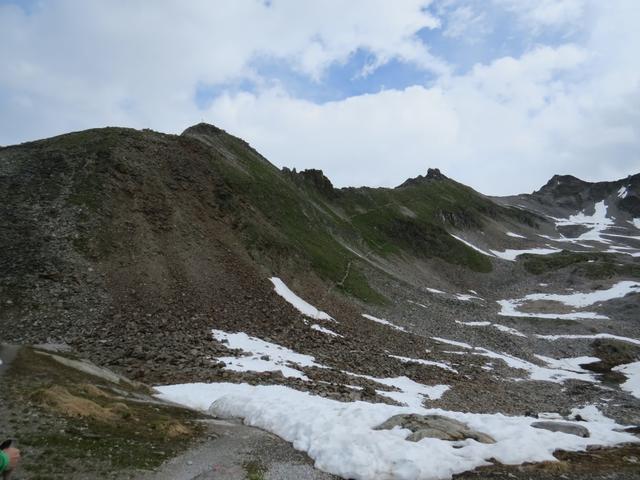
pixel 341 440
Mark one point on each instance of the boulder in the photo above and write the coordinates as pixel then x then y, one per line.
pixel 563 427
pixel 434 426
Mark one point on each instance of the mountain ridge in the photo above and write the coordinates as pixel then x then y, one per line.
pixel 131 247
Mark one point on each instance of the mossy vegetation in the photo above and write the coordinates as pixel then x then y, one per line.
pixel 310 223
pixel 305 224
pixel 255 470
pixel 84 422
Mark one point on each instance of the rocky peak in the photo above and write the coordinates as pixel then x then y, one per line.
pixel 563 182
pixel 313 177
pixel 433 174
pixel 202 129
pixel 204 132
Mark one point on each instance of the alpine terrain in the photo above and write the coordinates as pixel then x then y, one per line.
pixel 177 307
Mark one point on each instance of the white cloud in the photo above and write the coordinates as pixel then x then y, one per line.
pixel 547 13
pixel 465 23
pixel 502 127
pixel 78 64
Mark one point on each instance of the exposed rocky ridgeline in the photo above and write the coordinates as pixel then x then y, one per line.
pixel 152 254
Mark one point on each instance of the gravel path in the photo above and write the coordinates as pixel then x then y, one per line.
pixel 233 450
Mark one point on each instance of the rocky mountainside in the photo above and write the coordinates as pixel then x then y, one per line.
pixel 174 259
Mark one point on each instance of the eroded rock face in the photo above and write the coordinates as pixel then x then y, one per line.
pixel 563 427
pixel 434 426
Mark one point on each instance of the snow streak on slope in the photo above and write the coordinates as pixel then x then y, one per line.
pixel 424 362
pixel 302 306
pixel 326 331
pixel 471 245
pixel 341 439
pixel 382 321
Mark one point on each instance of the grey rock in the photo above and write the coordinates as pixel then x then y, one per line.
pixel 434 426
pixel 563 427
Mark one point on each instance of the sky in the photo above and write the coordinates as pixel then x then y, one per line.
pixel 498 94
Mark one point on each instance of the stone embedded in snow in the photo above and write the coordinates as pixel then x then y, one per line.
pixel 434 426
pixel 563 427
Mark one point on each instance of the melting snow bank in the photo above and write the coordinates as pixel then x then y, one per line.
pixel 340 438
pixel 509 308
pixel 632 372
pixel 303 307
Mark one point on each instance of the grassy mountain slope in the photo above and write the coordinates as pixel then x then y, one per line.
pixel 113 233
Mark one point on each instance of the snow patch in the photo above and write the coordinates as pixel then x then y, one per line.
pixel 511 255
pixel 596 223
pixel 632 372
pixel 262 356
pixel 558 371
pixel 577 300
pixel 514 235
